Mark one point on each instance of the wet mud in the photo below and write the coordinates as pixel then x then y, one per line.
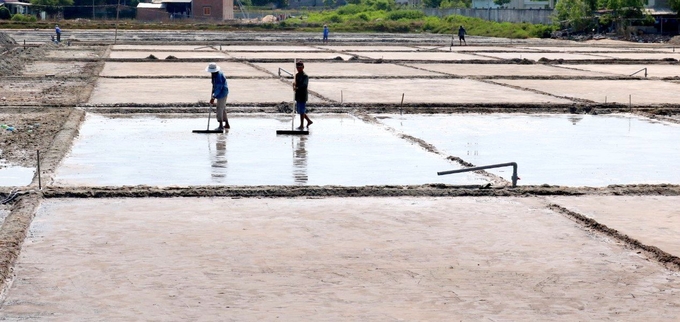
pixel 34 130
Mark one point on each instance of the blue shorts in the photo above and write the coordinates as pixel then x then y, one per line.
pixel 301 107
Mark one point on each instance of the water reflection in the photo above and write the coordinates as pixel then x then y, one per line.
pixel 218 158
pixel 574 118
pixel 300 159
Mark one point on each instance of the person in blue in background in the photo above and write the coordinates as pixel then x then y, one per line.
pixel 325 34
pixel 220 91
pixel 58 31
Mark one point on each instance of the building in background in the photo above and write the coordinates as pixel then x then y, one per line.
pixel 219 10
pixel 16 6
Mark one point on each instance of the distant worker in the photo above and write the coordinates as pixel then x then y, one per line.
pixel 325 34
pixel 461 36
pixel 220 91
pixel 300 87
pixel 58 31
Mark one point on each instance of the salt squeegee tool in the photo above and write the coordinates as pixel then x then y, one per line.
pixel 207 129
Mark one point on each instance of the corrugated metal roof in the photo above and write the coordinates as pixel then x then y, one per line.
pixel 151 5
pixel 15 2
pixel 660 11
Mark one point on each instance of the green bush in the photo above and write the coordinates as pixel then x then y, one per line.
pixel 23 18
pixel 405 14
pixel 351 9
pixel 335 19
pixel 4 13
pixel 361 17
pixel 431 25
pixel 384 5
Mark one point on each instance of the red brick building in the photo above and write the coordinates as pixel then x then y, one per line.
pixel 179 9
pixel 212 9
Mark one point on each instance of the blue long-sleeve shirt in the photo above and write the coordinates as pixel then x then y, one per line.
pixel 219 85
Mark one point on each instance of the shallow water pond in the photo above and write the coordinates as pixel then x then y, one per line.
pixel 153 150
pixel 570 150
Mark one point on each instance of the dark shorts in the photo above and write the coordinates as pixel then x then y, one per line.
pixel 301 107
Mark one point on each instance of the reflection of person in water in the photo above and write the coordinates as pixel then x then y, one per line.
pixel 219 158
pixel 300 161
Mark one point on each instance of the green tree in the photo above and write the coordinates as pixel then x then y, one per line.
pixel 675 5
pixel 625 13
pixel 51 6
pixel 572 13
pixel 626 8
pixel 4 13
pixel 432 3
pixel 385 5
pixel 501 2
pixel 455 4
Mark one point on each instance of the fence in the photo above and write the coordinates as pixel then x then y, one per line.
pixel 535 16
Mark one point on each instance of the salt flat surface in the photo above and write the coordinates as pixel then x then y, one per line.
pixel 576 49
pixel 538 56
pixel 638 56
pixel 166 68
pixel 504 70
pixel 367 48
pixel 265 48
pixel 424 91
pixel 15 176
pixel 672 49
pixel 329 259
pixel 347 69
pixel 166 47
pixel 652 220
pixel 434 55
pixel 340 150
pixel 635 92
pixel 162 55
pixel 472 48
pixel 288 55
pixel 661 70
pixel 178 91
pixel 569 150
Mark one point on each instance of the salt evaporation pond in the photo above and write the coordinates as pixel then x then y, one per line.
pixel 15 176
pixel 156 150
pixel 570 150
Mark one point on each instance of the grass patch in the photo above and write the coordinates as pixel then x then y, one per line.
pixel 349 18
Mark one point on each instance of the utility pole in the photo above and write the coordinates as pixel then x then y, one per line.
pixel 115 39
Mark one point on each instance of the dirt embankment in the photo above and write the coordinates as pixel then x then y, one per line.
pixel 14 58
pixel 33 130
pixel 428 190
pixel 34 109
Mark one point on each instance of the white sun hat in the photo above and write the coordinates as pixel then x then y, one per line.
pixel 212 67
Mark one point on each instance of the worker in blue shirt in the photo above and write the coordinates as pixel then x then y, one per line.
pixel 58 31
pixel 220 91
